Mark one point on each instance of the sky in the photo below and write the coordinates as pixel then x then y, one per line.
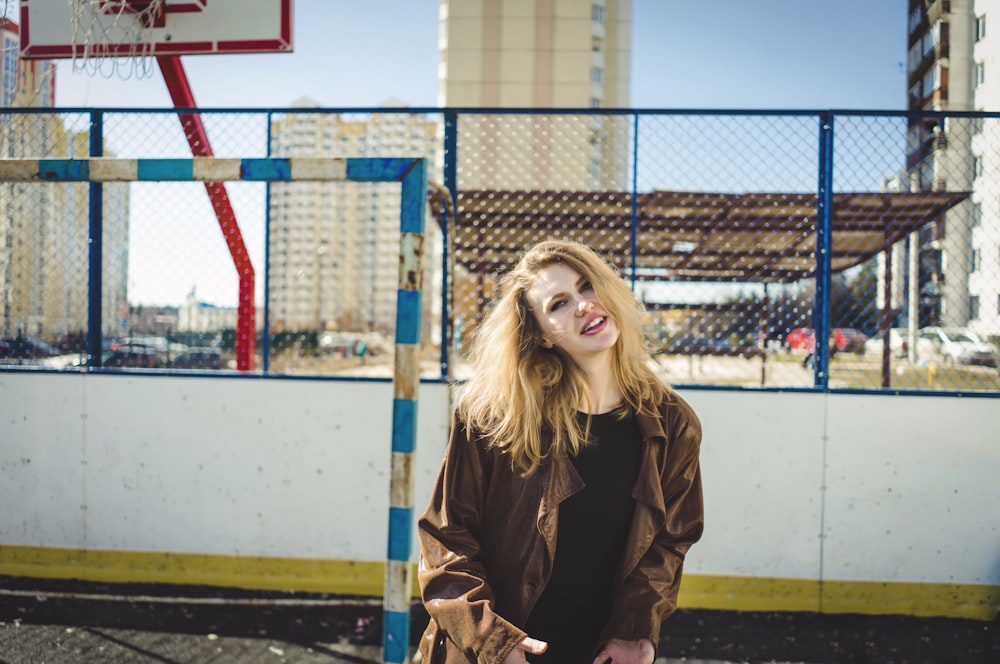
pixel 708 54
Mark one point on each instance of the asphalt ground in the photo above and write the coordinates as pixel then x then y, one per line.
pixel 61 622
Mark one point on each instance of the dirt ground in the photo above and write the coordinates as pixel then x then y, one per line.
pixel 53 623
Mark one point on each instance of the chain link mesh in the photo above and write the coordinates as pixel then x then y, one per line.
pixel 717 220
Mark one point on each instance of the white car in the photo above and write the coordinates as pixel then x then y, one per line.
pixel 899 345
pixel 956 346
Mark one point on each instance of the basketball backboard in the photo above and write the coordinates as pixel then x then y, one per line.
pixel 101 28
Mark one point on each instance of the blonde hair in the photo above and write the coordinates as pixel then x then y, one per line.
pixel 519 388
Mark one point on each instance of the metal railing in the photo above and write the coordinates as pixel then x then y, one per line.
pixel 782 249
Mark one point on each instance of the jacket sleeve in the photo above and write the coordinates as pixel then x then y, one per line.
pixel 453 583
pixel 648 595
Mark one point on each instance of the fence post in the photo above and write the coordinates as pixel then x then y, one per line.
pixel 95 284
pixel 406 382
pixel 824 256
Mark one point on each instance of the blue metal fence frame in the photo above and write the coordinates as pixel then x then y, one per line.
pixel 451 118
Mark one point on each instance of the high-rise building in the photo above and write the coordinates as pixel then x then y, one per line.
pixel 949 69
pixel 44 227
pixel 535 53
pixel 538 54
pixel 334 247
pixel 984 268
pixel 26 83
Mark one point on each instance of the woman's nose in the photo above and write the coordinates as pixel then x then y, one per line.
pixel 584 307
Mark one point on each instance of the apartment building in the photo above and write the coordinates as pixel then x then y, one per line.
pixel 952 66
pixel 538 54
pixel 334 247
pixel 44 227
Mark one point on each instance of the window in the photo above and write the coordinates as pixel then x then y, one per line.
pixel 595 102
pixel 974 307
pixel 597 13
pixel 932 80
pixel 976 262
pixel 977 214
pixel 980 73
pixel 977 166
pixel 596 74
pixel 931 39
pixel 980 27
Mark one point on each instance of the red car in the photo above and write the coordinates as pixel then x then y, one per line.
pixel 849 340
pixel 845 340
pixel 801 339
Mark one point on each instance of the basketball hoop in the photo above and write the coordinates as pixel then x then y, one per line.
pixel 113 37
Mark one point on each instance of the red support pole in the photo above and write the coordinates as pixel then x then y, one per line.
pixel 197 137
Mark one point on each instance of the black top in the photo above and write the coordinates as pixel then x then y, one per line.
pixel 592 530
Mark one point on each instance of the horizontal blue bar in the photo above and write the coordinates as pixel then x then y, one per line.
pixel 164 169
pixel 396 636
pixel 269 169
pixel 400 525
pixel 404 425
pixel 408 316
pixel 64 169
pixel 380 170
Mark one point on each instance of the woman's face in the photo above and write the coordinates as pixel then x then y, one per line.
pixel 570 314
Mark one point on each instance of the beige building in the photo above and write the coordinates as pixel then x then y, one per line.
pixel 945 74
pixel 334 247
pixel 44 227
pixel 538 54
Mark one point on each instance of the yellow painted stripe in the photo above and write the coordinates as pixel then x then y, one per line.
pixel 367 578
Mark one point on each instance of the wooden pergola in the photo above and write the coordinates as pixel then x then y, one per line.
pixel 690 236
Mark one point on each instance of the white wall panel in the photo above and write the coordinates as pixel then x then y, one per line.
pixel 762 469
pixel 41 460
pixel 299 468
pixel 912 489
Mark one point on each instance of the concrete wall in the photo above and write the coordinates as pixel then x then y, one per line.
pixel 814 501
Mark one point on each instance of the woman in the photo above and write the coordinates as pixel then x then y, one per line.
pixel 570 491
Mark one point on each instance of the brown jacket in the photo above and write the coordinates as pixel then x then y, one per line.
pixel 487 540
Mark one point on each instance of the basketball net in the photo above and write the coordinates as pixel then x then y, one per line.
pixel 112 37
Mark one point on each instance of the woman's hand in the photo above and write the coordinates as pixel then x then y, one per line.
pixel 627 652
pixel 526 645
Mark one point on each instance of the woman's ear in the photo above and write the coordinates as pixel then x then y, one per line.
pixel 546 343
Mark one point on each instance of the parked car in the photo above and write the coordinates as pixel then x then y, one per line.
pixel 843 340
pixel 199 358
pixel 849 340
pixel 26 348
pixel 898 344
pixel 956 346
pixel 801 339
pixel 128 356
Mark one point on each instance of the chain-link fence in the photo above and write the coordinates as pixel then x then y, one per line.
pixel 772 249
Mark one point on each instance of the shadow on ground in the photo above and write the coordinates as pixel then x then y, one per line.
pixel 304 624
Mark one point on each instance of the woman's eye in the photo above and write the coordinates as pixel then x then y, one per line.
pixel 557 304
pixel 586 286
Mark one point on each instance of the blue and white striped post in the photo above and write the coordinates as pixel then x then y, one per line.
pixel 412 174
pixel 406 382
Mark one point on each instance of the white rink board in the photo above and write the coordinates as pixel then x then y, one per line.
pixel 762 461
pixel 299 468
pixel 913 490
pixel 295 468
